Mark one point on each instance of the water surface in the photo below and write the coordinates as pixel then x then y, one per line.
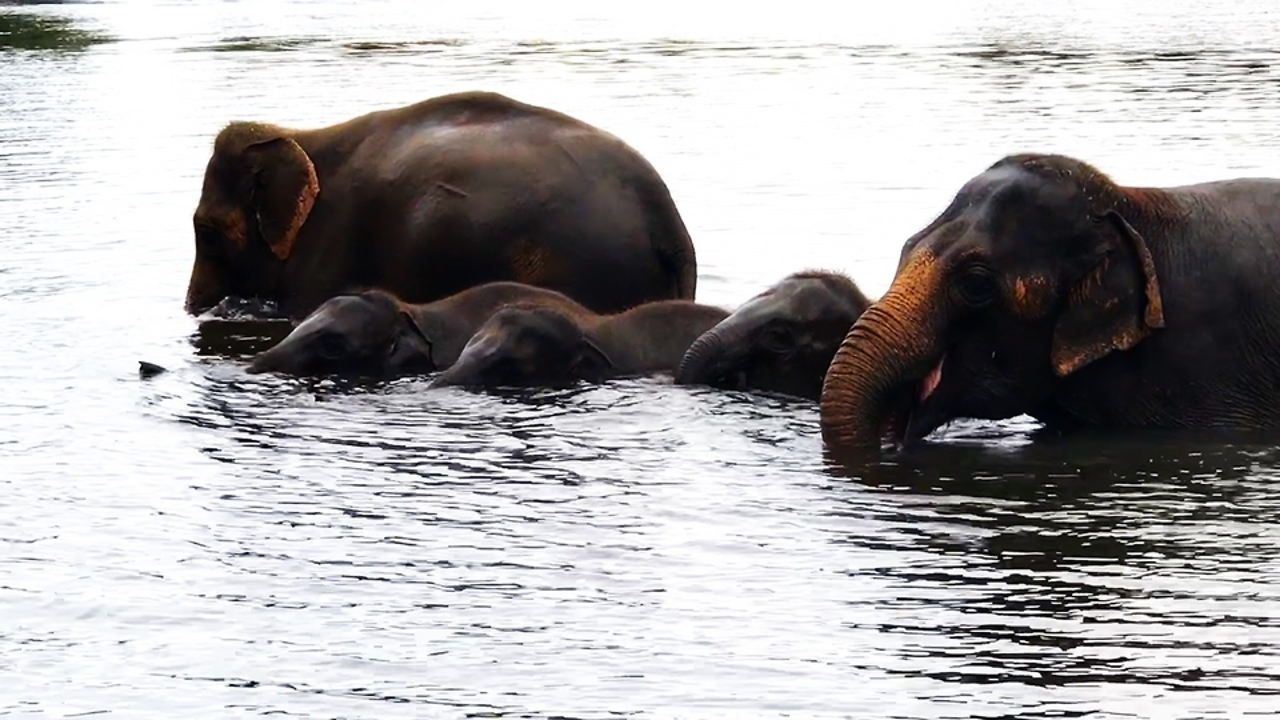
pixel 213 544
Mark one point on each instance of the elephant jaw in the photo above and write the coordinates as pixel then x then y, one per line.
pixel 909 415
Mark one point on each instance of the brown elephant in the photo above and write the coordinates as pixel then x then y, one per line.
pixel 532 344
pixel 781 340
pixel 1047 289
pixel 376 334
pixel 430 199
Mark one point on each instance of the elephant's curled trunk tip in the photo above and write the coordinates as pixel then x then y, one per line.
pixel 865 388
pixel 693 365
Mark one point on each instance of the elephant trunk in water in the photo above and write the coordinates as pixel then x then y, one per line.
pixel 720 356
pixel 889 361
pixel 712 354
pixel 476 359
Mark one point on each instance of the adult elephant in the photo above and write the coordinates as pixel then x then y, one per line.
pixel 427 200
pixel 781 340
pixel 1047 289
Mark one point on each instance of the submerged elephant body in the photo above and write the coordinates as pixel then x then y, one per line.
pixel 536 344
pixel 1047 289
pixel 781 340
pixel 427 200
pixel 376 334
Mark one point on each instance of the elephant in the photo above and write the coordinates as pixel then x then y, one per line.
pixel 375 334
pixel 429 199
pixel 1046 289
pixel 535 345
pixel 781 340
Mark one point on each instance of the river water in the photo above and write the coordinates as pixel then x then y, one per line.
pixel 209 544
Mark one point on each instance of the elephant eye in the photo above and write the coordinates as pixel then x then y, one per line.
pixel 208 241
pixel 331 346
pixel 978 286
pixel 777 339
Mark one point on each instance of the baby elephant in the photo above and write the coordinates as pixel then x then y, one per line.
pixel 533 344
pixel 375 334
pixel 782 340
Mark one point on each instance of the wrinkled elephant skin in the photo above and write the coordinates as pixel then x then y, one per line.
pixel 1045 288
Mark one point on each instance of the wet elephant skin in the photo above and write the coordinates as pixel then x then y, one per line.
pixel 427 200
pixel 532 344
pixel 1045 288
pixel 780 341
pixel 375 334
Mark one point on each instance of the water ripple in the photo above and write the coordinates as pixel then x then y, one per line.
pixel 208 543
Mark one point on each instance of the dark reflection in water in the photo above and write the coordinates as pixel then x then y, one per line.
pixel 240 337
pixel 1063 561
pixel 24 31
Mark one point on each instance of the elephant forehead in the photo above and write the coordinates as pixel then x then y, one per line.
pixel 486 342
pixel 814 299
pixel 340 314
pixel 801 300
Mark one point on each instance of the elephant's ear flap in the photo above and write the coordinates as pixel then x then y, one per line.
pixel 1115 305
pixel 592 362
pixel 419 335
pixel 284 190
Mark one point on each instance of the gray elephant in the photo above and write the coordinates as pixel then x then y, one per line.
pixel 532 344
pixel 781 340
pixel 376 334
pixel 429 199
pixel 1046 288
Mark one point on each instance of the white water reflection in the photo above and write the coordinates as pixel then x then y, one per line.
pixel 210 544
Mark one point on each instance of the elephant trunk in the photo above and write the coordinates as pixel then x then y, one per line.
pixel 874 377
pixel 274 359
pixel 205 288
pixel 708 357
pixel 473 365
pixel 723 351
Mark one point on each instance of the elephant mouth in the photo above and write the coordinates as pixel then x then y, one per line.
pixel 732 380
pixel 913 410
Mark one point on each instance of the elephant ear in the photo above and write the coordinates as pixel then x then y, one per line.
pixel 417 335
pixel 284 190
pixel 1115 306
pixel 592 362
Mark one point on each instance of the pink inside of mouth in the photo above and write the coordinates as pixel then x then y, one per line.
pixel 930 381
pixel 893 428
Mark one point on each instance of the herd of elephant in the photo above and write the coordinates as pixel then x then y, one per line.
pixel 497 243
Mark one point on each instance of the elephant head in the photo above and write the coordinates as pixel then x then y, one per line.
pixel 1034 271
pixel 524 345
pixel 370 334
pixel 782 340
pixel 259 188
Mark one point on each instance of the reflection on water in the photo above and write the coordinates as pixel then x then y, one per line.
pixel 30 31
pixel 239 337
pixel 206 543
